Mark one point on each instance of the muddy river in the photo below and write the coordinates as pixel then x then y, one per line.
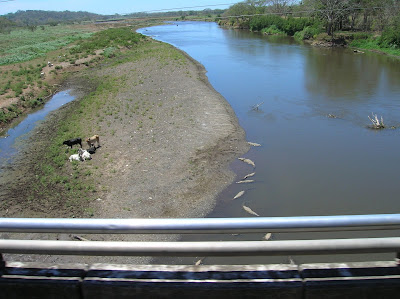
pixel 318 154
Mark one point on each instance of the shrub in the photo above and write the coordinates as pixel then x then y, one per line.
pixel 12 112
pixel 273 30
pixel 109 52
pixel 323 36
pixel 390 38
pixel 3 117
pixel 13 108
pixel 258 23
pixel 289 26
pixel 17 88
pixel 33 103
pixel 115 37
pixel 293 25
pixel 307 33
pixel 360 35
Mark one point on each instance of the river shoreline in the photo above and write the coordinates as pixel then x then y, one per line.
pixel 170 159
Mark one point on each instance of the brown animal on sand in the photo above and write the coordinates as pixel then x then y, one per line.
pixel 92 140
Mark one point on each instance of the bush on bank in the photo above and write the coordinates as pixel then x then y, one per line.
pixel 388 42
pixel 287 25
pixel 110 38
pixel 273 30
pixel 390 37
pixel 309 32
pixel 305 28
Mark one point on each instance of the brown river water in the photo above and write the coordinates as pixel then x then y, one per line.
pixel 319 155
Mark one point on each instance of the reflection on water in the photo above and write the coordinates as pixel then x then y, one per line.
pixel 9 145
pixel 309 164
pixel 353 85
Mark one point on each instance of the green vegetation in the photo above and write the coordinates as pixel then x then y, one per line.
pixel 287 25
pixel 273 30
pixel 24 80
pixel 343 22
pixel 24 45
pixel 40 17
pixel 110 52
pixel 36 19
pixel 51 176
pixel 388 42
pixel 12 112
pixel 390 37
pixel 109 39
pixel 75 182
pixel 309 32
pixel 372 43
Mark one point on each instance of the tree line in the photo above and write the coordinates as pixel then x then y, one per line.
pixel 380 16
pixel 32 18
pixel 40 17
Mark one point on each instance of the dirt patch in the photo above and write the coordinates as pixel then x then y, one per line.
pixel 51 77
pixel 165 148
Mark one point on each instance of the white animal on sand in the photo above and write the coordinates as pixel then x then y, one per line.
pixel 85 155
pixel 74 157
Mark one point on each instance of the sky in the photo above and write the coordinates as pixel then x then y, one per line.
pixel 110 7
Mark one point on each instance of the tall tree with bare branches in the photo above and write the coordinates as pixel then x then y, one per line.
pixel 332 11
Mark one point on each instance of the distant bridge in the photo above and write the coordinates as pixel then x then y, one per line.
pixel 347 280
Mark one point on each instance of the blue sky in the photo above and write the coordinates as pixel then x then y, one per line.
pixel 110 6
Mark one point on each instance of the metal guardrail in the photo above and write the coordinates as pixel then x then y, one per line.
pixel 232 248
pixel 202 225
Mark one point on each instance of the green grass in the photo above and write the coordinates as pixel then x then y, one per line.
pixel 372 44
pixel 24 45
pixel 75 182
pixel 52 171
pixel 12 112
pixel 109 39
pixel 273 30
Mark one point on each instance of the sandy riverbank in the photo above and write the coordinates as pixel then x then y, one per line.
pixel 170 159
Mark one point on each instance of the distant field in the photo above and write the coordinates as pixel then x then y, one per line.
pixel 24 45
pixel 25 76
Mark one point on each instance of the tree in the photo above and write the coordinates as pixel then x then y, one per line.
pixel 32 27
pixel 248 7
pixel 6 25
pixel 279 6
pixel 354 12
pixel 332 11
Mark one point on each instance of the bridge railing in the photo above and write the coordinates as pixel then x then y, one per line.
pixel 202 225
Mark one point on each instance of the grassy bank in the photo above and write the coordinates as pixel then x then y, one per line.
pixel 313 31
pixel 77 184
pixel 372 44
pixel 25 83
pixel 24 45
pixel 26 78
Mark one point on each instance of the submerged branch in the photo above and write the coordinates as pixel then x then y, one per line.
pixel 376 123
